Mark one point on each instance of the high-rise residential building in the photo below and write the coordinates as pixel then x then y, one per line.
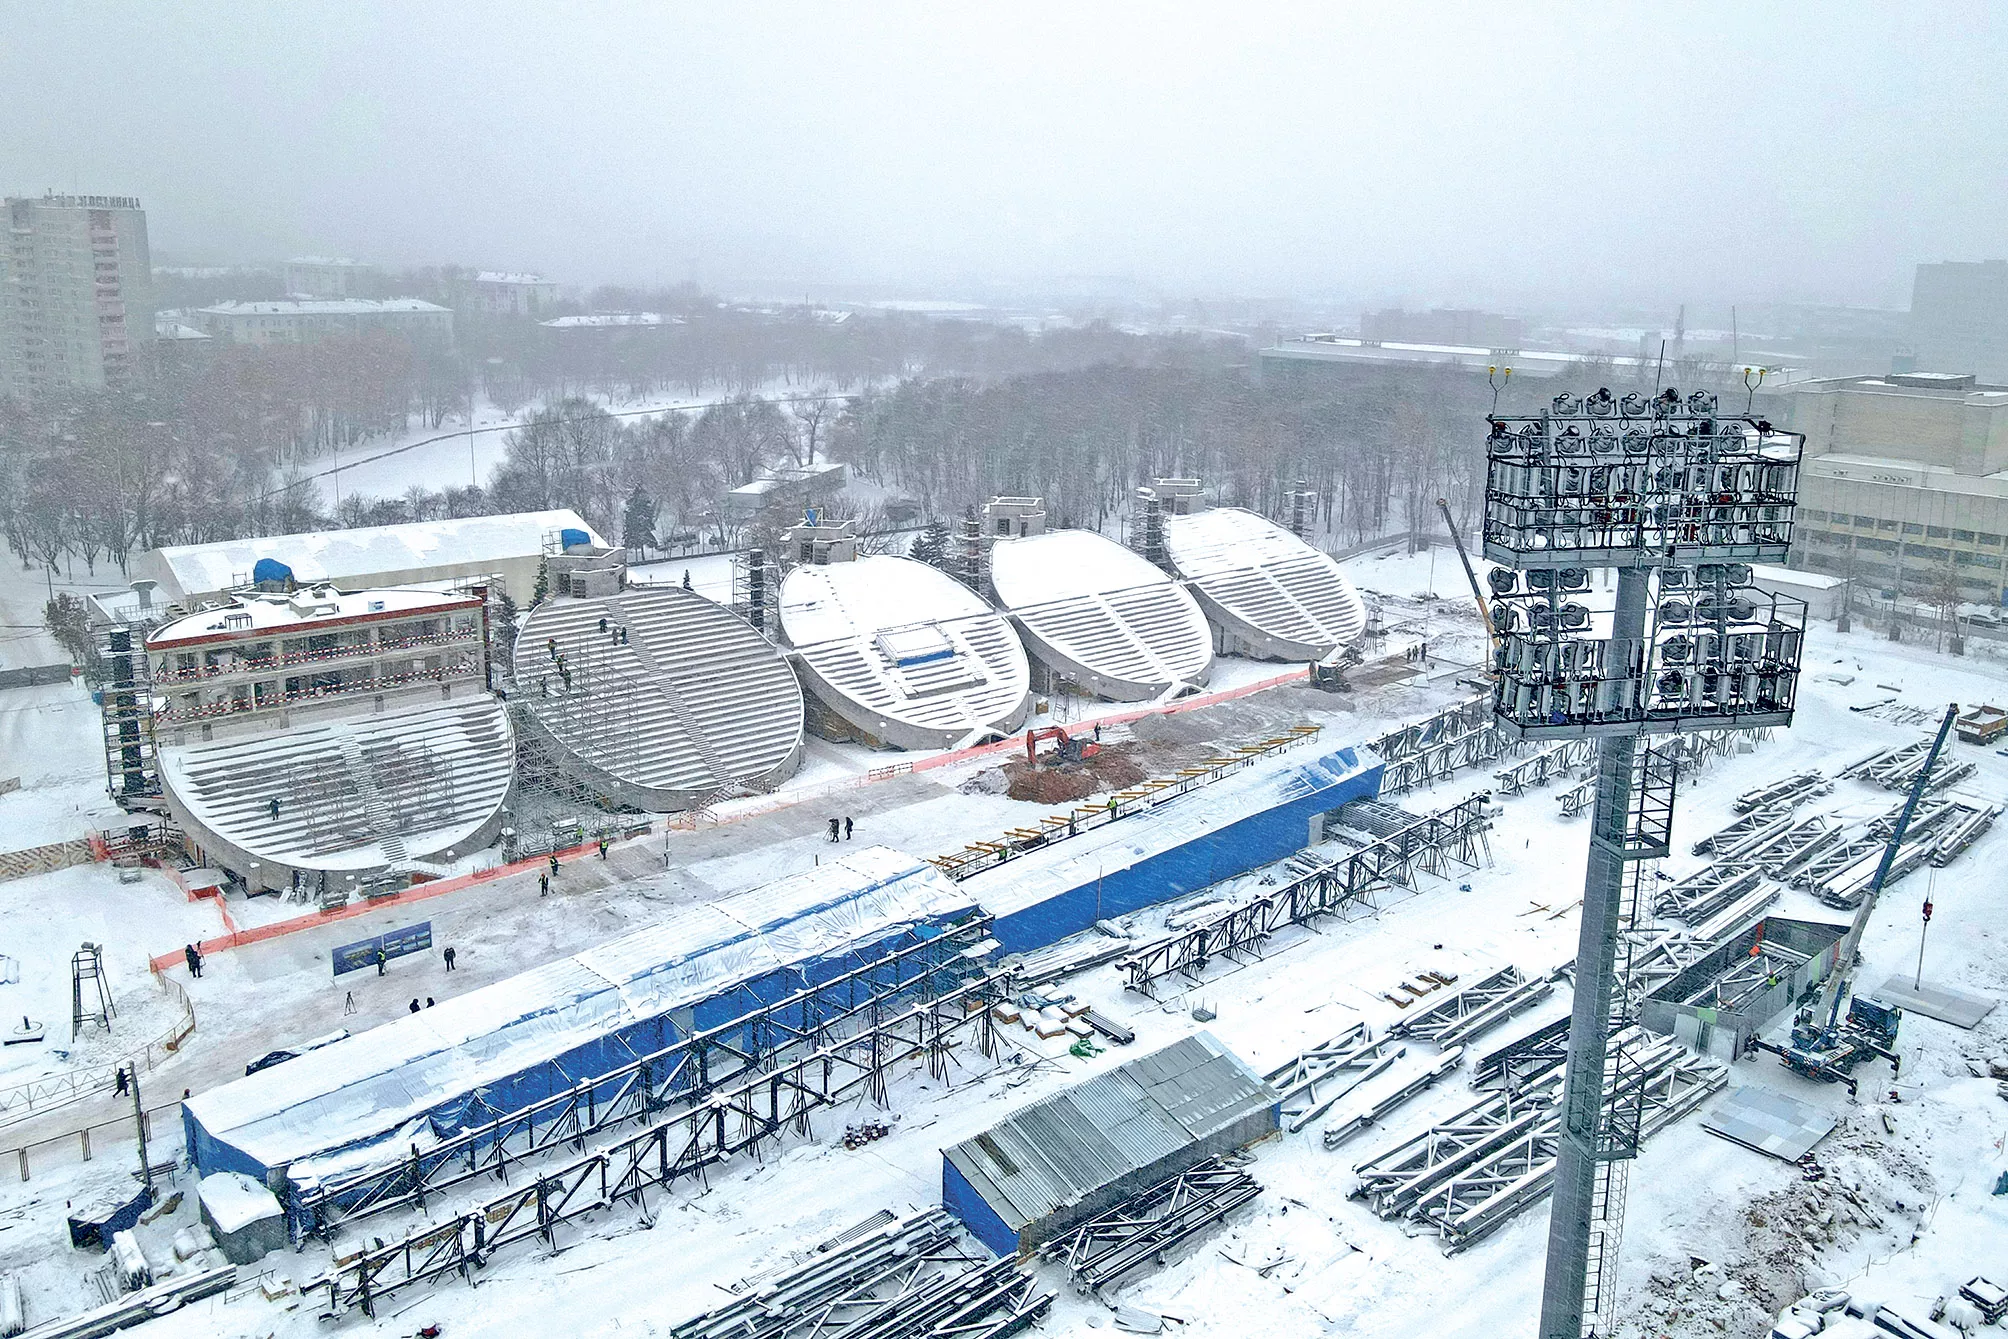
pixel 1959 318
pixel 76 293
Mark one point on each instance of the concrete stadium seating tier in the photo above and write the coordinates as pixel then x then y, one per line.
pixel 1101 615
pixel 695 702
pixel 861 631
pixel 1267 592
pixel 356 797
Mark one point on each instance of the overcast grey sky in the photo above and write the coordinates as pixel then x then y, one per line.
pixel 1508 153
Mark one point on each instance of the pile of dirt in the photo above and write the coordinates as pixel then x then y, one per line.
pixel 1114 768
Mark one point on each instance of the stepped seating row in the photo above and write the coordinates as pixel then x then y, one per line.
pixel 1150 635
pixel 858 669
pixel 1301 599
pixel 620 713
pixel 441 771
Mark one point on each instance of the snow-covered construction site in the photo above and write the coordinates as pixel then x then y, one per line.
pixel 1208 937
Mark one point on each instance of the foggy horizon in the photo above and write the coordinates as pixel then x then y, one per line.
pixel 1570 157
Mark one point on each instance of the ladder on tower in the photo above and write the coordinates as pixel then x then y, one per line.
pixel 1648 831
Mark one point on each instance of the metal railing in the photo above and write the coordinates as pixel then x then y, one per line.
pixel 24 1101
pixel 979 856
pixel 352 651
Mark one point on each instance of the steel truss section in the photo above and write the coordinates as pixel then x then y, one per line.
pixel 1337 1134
pixel 1784 850
pixel 1476 1008
pixel 1962 832
pixel 1559 759
pixel 1701 894
pixel 742 1117
pixel 1518 1063
pixel 1469 1174
pixel 1578 798
pixel 1747 826
pixel 1138 1231
pixel 911 1279
pixel 1432 750
pixel 1453 836
pixel 1352 1058
pixel 685 1071
pixel 1788 790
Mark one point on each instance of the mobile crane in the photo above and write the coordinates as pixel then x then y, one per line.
pixel 1829 1049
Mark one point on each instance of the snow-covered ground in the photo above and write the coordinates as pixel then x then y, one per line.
pixel 1754 1222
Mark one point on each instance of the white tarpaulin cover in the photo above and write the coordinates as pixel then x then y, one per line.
pixel 392 1079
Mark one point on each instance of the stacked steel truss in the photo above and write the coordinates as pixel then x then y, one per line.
pixel 756 1109
pixel 1562 759
pixel 1435 749
pixel 1477 1008
pixel 1312 1083
pixel 905 1279
pixel 1895 768
pixel 921 967
pixel 1468 1174
pixel 1138 1231
pixel 1453 836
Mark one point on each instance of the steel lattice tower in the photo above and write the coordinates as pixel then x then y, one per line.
pixel 1678 499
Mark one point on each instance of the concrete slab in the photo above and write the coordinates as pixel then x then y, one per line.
pixel 1769 1122
pixel 1957 1007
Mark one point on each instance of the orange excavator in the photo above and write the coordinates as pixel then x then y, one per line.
pixel 1068 752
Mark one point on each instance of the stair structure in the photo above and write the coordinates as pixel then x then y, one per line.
pixel 1267 593
pixel 903 653
pixel 658 698
pixel 356 796
pixel 1101 615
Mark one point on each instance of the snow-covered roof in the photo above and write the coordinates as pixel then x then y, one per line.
pixel 318 606
pixel 1090 606
pixel 343 556
pixel 370 1087
pixel 499 277
pixel 165 327
pixel 1100 852
pixel 1263 583
pixel 1052 1159
pixel 234 1201
pixel 323 307
pixel 904 651
pixel 602 319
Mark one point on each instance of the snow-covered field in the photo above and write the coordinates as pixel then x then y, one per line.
pixel 1917 1216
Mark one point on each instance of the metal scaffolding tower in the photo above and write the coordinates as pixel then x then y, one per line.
pixel 1679 499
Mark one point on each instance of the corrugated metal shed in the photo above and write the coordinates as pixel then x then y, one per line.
pixel 1071 1155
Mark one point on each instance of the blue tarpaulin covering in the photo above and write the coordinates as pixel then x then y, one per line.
pixel 1181 845
pixel 496 1050
pixel 270 569
pixel 570 539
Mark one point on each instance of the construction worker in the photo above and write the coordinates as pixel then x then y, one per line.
pixel 847 827
pixel 414 1004
pixel 554 864
pixel 381 959
pixel 448 955
pixel 834 823
pixel 275 808
pixel 193 956
pixel 543 885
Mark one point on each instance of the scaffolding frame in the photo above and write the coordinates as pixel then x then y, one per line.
pixel 686 1071
pixel 742 1117
pixel 1429 845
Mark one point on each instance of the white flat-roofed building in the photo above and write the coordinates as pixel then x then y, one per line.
pixel 326 277
pixel 304 320
pixel 500 294
pixel 1905 483
pixel 1098 614
pixel 511 547
pixel 1267 593
pixel 903 654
